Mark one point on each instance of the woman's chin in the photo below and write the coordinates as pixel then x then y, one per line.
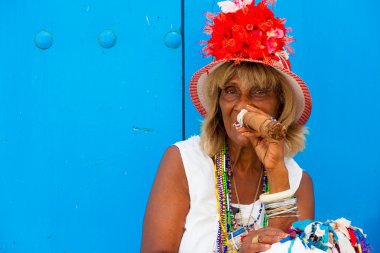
pixel 240 140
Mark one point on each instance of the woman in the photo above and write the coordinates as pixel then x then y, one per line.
pixel 232 88
pixel 236 188
pixel 213 193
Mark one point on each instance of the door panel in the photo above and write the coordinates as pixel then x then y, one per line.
pixel 83 127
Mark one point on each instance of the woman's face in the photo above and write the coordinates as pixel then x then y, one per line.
pixel 234 97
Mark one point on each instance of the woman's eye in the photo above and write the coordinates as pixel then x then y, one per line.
pixel 260 92
pixel 231 90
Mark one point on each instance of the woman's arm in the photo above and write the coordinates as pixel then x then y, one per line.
pixel 271 153
pixel 305 197
pixel 272 234
pixel 168 205
pixel 305 204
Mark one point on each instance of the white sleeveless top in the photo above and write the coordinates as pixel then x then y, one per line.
pixel 202 221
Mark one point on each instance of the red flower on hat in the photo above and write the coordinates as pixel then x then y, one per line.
pixel 247 31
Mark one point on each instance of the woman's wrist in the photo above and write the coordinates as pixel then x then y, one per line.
pixel 278 179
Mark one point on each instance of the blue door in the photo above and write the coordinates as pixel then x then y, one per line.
pixel 90 97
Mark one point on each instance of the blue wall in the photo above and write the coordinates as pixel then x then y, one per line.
pixel 83 127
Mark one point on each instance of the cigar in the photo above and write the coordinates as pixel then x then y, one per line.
pixel 269 127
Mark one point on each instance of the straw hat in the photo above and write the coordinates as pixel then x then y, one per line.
pixel 247 32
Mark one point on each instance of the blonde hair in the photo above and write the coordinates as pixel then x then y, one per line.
pixel 250 73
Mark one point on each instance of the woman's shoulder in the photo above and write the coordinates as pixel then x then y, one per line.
pixel 191 148
pixel 292 165
pixel 193 157
pixel 181 151
pixel 295 173
pixel 192 142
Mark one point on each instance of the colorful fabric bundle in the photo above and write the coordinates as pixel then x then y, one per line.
pixel 331 236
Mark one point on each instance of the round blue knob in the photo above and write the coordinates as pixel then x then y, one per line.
pixel 107 39
pixel 173 39
pixel 43 40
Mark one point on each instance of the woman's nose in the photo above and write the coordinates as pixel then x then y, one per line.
pixel 244 101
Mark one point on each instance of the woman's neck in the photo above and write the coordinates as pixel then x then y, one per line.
pixel 243 159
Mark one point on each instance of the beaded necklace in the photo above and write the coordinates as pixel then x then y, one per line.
pixel 226 218
pixel 249 226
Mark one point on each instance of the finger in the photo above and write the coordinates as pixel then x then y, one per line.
pixel 244 129
pixel 256 110
pixel 268 231
pixel 248 134
pixel 270 144
pixel 254 137
pixel 270 140
pixel 248 130
pixel 272 231
pixel 260 144
pixel 258 134
pixel 269 239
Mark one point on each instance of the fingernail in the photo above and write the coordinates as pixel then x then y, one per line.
pixel 267 246
pixel 251 107
pixel 284 235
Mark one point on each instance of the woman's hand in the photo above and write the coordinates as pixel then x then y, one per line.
pixel 261 240
pixel 269 151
